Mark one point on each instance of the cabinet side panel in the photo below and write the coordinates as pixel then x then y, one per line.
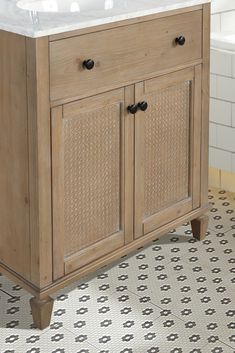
pixel 14 197
pixel 39 160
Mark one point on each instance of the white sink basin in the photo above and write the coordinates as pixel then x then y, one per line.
pixel 65 5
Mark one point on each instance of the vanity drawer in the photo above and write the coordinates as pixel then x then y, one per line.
pixel 122 55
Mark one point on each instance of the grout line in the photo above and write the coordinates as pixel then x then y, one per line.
pixel 1 290
pixel 74 334
pixel 226 344
pixel 87 341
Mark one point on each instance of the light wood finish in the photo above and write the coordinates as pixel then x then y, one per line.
pixel 57 192
pixel 75 178
pixel 199 227
pixel 196 133
pixel 41 311
pixel 127 249
pixel 122 23
pixel 129 154
pixel 94 252
pixel 14 195
pixel 97 264
pixel 115 85
pixel 88 172
pixel 122 54
pixel 167 158
pixel 39 161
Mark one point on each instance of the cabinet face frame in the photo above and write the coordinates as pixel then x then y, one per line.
pixel 62 264
pixel 145 225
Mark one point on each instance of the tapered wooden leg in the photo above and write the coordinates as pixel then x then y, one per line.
pixel 199 227
pixel 41 311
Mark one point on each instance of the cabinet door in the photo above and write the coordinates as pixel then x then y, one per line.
pixel 92 203
pixel 167 154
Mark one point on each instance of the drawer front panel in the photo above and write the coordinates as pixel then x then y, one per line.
pixel 122 55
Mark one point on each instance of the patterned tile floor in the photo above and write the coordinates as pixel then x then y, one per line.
pixel 174 296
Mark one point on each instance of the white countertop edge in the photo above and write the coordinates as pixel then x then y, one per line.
pixel 98 21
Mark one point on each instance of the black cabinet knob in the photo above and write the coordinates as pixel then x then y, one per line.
pixel 132 108
pixel 88 64
pixel 143 106
pixel 180 40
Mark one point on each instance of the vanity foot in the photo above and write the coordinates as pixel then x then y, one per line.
pixel 41 311
pixel 199 227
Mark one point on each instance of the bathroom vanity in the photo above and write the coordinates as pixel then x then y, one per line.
pixel 104 134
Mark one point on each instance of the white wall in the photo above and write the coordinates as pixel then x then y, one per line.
pixel 222 110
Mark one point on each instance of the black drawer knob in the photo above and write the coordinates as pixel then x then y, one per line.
pixel 88 64
pixel 180 40
pixel 132 108
pixel 143 106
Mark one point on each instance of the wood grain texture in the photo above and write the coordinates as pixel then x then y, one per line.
pixel 196 132
pixel 107 259
pixel 94 252
pixel 131 82
pixel 57 191
pixel 167 161
pixel 200 226
pixel 115 255
pixel 163 216
pixel 41 311
pixel 39 160
pixel 129 130
pixel 47 265
pixel 14 194
pixel 90 197
pixel 118 56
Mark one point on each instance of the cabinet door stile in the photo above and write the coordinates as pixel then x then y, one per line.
pixel 129 165
pixel 196 139
pixel 57 191
pixel 139 164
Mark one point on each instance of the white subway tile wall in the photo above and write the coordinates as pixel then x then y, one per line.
pixel 221 63
pixel 220 159
pixel 233 65
pixel 213 135
pixel 225 138
pixel 221 112
pixel 225 88
pixel 213 86
pixel 216 23
pixel 233 115
pixel 222 105
pixel 227 22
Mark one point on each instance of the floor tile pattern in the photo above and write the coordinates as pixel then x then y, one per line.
pixel 174 296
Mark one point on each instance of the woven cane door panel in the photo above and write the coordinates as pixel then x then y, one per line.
pixel 166 141
pixel 166 170
pixel 91 177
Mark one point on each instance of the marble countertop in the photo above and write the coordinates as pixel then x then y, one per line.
pixel 67 15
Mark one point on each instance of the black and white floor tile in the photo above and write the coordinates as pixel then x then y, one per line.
pixel 174 296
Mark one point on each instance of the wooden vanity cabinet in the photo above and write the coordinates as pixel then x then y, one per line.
pixel 102 160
